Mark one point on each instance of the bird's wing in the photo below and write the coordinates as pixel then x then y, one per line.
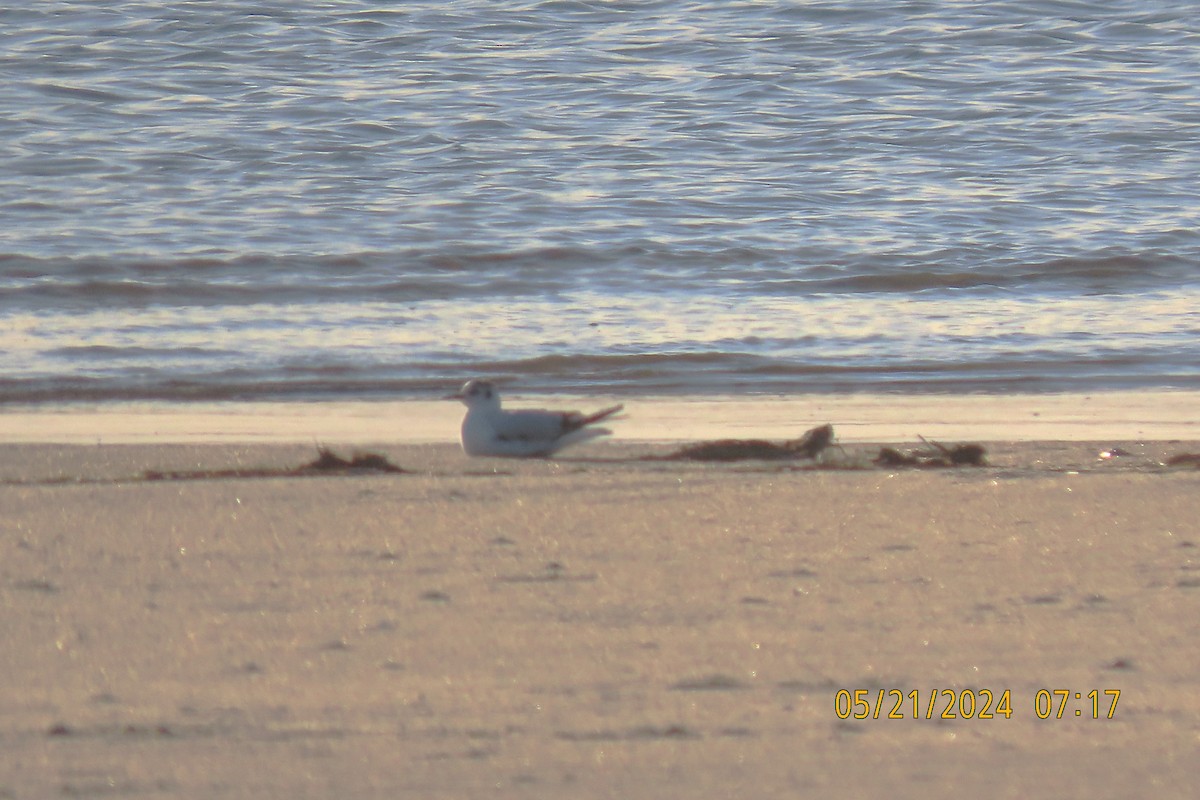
pixel 531 425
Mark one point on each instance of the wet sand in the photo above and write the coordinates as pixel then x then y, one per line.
pixel 596 626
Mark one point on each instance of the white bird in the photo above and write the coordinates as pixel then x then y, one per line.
pixel 488 430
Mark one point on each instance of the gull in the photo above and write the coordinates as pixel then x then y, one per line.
pixel 488 430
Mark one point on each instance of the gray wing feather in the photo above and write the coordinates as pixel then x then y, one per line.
pixel 530 426
pixel 546 426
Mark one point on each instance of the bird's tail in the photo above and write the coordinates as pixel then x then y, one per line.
pixel 591 419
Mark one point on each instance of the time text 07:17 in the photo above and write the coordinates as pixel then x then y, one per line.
pixel 971 704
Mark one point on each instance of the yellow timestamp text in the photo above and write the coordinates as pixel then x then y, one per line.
pixel 971 703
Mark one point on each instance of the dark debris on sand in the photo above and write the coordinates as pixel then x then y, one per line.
pixel 810 445
pixel 960 455
pixel 815 441
pixel 327 462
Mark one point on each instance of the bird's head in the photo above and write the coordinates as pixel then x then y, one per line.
pixel 476 393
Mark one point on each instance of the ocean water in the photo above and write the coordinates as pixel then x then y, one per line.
pixel 216 200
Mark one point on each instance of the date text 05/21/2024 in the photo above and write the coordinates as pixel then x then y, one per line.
pixel 971 704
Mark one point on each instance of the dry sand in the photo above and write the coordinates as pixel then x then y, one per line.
pixel 596 626
pixel 1144 415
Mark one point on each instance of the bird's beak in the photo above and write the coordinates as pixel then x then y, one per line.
pixel 455 396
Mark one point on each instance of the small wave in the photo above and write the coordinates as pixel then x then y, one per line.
pixel 39 284
pixel 80 93
pixel 681 373
pixel 101 352
pixel 1099 273
pixel 413 276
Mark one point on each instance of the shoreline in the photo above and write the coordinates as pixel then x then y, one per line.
pixel 1157 415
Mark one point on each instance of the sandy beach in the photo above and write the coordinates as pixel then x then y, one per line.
pixel 185 617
